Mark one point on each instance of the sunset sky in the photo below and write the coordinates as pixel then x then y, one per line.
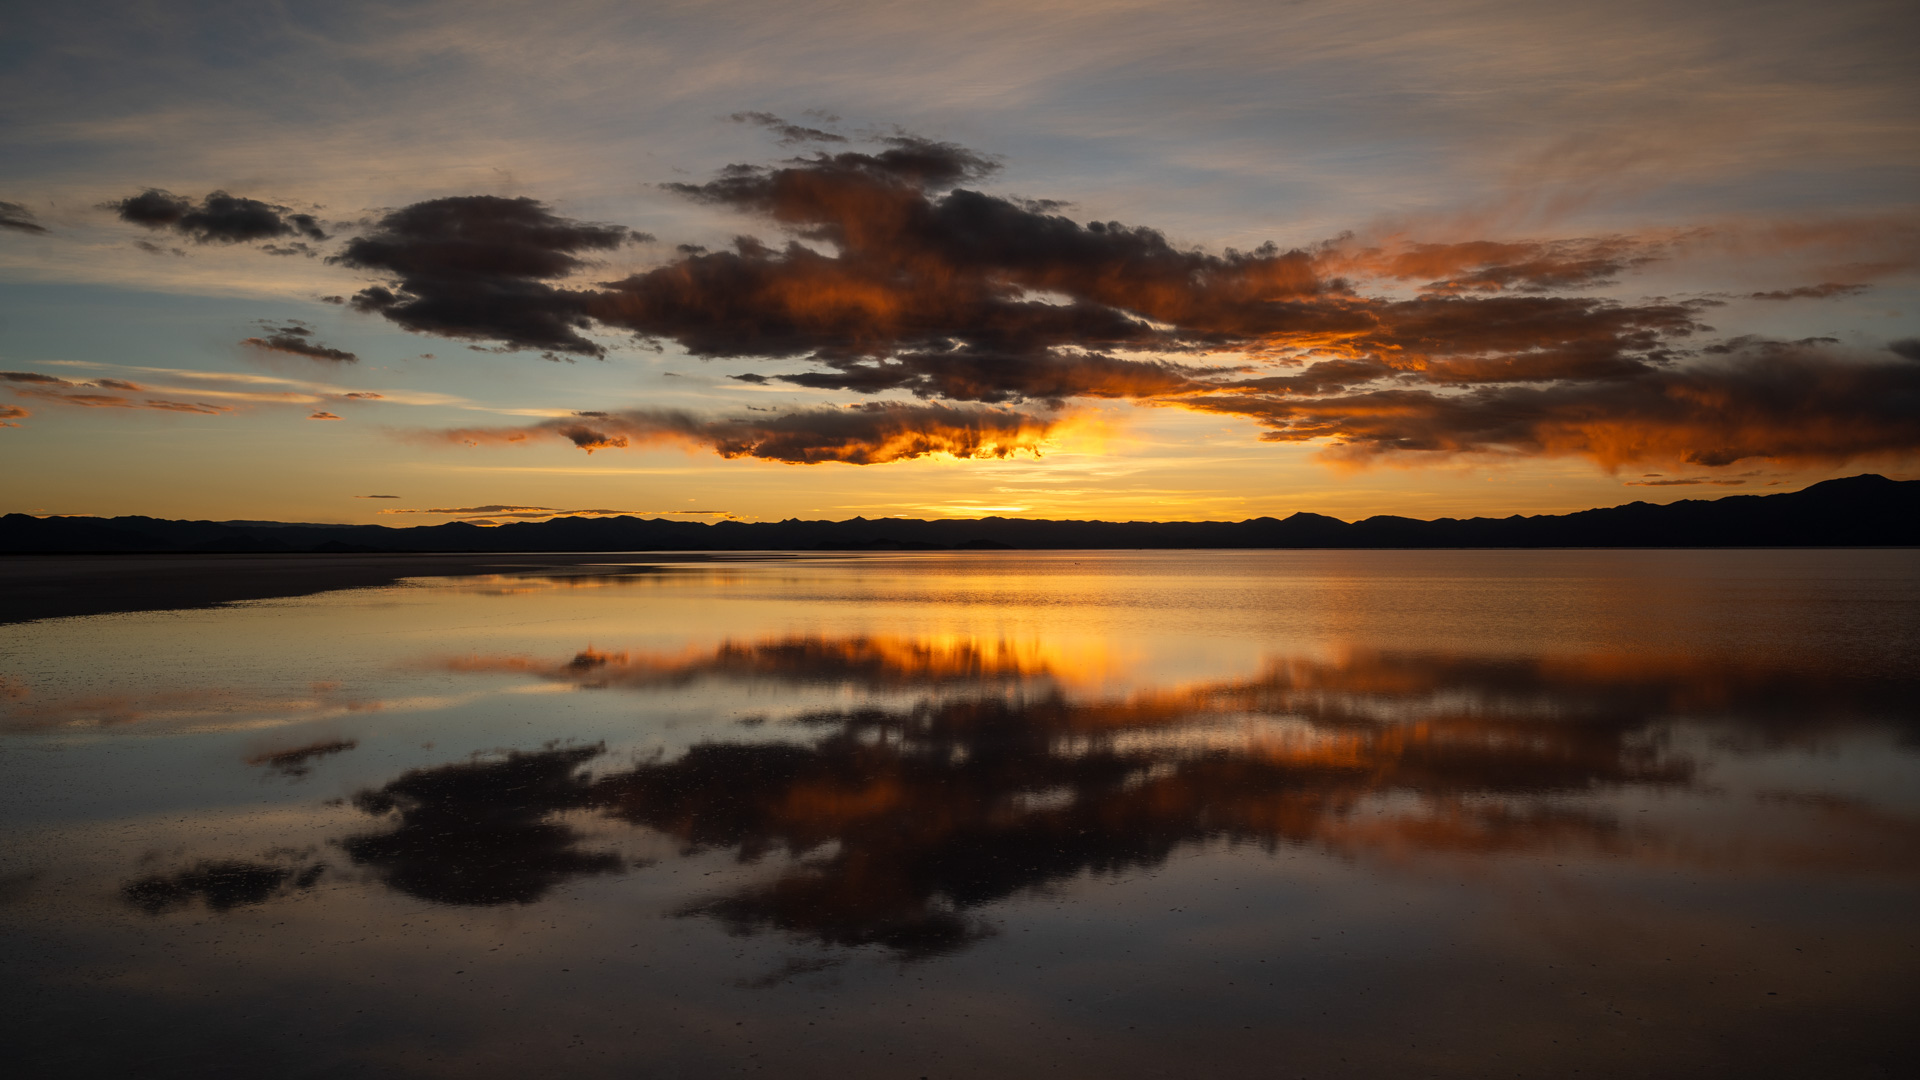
pixel 411 262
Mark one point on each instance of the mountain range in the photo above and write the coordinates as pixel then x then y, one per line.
pixel 1865 510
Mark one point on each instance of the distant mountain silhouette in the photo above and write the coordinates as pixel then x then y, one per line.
pixel 1867 510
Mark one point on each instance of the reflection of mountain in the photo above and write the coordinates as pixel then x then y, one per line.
pixel 972 774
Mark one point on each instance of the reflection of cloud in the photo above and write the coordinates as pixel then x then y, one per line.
pixel 298 761
pixel 875 662
pixel 477 832
pixel 205 707
pixel 929 811
pixel 1360 687
pixel 973 771
pixel 220 885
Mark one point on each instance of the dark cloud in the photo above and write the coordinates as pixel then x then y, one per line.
pixel 1811 292
pixel 1907 347
pixel 894 277
pixel 908 163
pixel 32 377
pixel 376 496
pixel 322 414
pixel 218 218
pixel 965 374
pixel 478 266
pixel 898 280
pixel 865 434
pixel 11 413
pixel 787 131
pixel 296 340
pixel 19 218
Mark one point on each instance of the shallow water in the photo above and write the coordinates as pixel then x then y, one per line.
pixel 1102 814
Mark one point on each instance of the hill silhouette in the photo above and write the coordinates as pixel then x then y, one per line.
pixel 1866 510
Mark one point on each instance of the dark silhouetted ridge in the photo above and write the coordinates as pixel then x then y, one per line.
pixel 1860 511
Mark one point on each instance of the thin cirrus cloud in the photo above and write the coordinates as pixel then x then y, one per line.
pixel 897 277
pixel 18 218
pixel 1487 266
pixel 1822 291
pixel 104 392
pixel 86 394
pixel 295 339
pixel 787 132
pixel 528 513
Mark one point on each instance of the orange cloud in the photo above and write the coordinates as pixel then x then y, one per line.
pixel 860 434
pixel 895 276
pixel 1791 405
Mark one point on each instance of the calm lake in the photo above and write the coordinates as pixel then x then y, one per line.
pixel 1074 814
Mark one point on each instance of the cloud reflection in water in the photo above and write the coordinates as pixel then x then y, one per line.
pixel 972 772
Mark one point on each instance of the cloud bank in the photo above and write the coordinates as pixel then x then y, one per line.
pixel 893 276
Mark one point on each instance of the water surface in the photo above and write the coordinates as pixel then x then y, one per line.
pixel 1101 814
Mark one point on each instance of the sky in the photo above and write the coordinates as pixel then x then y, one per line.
pixel 408 263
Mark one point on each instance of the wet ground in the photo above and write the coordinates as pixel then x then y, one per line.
pixel 1100 814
